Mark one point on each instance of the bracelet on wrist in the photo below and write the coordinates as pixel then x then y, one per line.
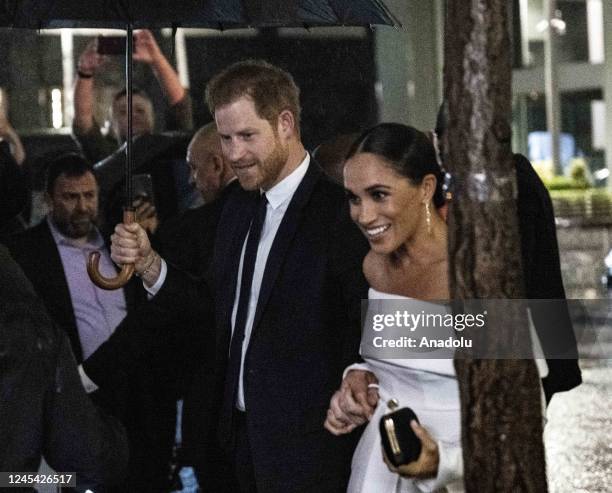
pixel 148 267
pixel 84 75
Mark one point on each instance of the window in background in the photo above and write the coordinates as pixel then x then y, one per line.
pixel 582 136
pixel 581 21
pixel 57 111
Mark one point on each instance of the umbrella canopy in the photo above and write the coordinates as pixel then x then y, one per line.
pixel 216 14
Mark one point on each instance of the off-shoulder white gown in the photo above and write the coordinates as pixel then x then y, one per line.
pixel 430 388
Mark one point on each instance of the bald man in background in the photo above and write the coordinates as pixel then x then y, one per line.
pixel 188 239
pixel 208 169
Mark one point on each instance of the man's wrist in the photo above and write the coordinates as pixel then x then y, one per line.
pixel 84 74
pixel 152 270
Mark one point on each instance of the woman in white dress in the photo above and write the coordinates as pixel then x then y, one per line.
pixel 394 188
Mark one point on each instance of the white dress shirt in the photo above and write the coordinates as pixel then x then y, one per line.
pixel 278 197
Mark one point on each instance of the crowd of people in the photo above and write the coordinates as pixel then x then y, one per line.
pixel 248 308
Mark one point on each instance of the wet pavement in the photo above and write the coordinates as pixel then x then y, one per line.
pixel 578 436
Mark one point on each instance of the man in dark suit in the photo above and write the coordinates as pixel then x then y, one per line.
pixel 53 256
pixel 286 282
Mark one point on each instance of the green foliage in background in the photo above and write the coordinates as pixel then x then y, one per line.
pixel 589 203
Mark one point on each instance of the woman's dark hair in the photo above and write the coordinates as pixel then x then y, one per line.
pixel 406 149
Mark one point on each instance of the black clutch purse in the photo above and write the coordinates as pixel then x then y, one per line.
pixel 401 445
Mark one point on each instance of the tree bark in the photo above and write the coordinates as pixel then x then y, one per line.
pixel 500 398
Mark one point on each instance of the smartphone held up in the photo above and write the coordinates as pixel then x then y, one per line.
pixel 112 45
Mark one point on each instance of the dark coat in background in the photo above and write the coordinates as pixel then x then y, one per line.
pixel 187 242
pixel 14 192
pixel 44 410
pixel 543 281
pixel 138 397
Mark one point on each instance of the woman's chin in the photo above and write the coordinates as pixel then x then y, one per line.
pixel 381 247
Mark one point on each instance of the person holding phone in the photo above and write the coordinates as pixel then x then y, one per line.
pixel 96 146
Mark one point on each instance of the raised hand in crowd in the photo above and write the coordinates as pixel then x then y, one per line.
pixel 146 50
pixel 8 134
pixel 88 65
pixel 90 60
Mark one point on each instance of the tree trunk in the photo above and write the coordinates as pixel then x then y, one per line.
pixel 500 398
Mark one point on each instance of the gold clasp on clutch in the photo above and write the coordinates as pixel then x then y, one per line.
pixel 392 404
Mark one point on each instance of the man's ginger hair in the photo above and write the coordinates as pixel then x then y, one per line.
pixel 271 89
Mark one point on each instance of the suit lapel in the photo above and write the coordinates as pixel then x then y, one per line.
pixel 56 281
pixel 284 237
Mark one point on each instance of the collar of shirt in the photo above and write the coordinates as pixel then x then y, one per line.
pixel 94 242
pixel 285 189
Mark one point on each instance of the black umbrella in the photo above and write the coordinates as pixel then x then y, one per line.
pixel 216 14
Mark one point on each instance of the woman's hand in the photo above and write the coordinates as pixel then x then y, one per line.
pixel 426 466
pixel 353 404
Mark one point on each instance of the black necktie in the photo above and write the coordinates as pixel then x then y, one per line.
pixel 246 281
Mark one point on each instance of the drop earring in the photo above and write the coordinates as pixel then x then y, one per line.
pixel 428 217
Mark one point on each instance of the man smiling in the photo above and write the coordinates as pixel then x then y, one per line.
pixel 287 286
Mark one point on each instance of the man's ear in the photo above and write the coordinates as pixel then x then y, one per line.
pixel 217 165
pixel 286 124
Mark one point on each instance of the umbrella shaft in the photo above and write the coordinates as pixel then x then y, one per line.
pixel 128 149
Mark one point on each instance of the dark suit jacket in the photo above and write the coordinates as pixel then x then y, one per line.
pixel 186 337
pixel 187 241
pixel 44 408
pixel 306 331
pixel 37 254
pixel 542 277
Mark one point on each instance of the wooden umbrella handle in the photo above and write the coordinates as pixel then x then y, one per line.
pixel 121 279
